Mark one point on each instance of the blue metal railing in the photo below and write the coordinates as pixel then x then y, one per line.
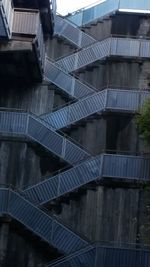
pixel 93 169
pixel 112 46
pixel 107 7
pixel 66 29
pixel 25 124
pixel 53 6
pixel 6 18
pixel 40 223
pixel 85 257
pixel 100 167
pixel 105 255
pixel 108 99
pixel 67 83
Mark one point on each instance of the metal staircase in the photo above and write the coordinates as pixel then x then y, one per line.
pixel 84 257
pixel 66 82
pixel 109 99
pixel 113 46
pixel 99 168
pixel 58 72
pixel 6 18
pixel 126 47
pixel 40 223
pixel 88 169
pixel 25 124
pixel 107 8
pixel 61 78
pixel 106 255
pixel 105 166
pixel 71 32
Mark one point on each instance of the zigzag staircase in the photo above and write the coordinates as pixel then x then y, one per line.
pixel 99 168
pixel 113 100
pixel 58 72
pixel 84 257
pixel 41 224
pixel 66 82
pixel 99 255
pixel 112 46
pixel 25 124
pixel 105 8
pixel 90 169
pixel 64 28
pixel 103 166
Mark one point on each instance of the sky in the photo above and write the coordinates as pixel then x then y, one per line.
pixel 66 6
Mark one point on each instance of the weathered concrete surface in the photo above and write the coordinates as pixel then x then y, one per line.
pixel 121 24
pixel 112 214
pixel 57 48
pixel 36 98
pixel 17 249
pixel 23 164
pixel 107 213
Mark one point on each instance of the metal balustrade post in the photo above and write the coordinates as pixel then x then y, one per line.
pixel 27 124
pixel 73 86
pixel 52 230
pixel 118 4
pixel 96 256
pixel 63 152
pixel 101 166
pixel 140 44
pixel 139 100
pixel 68 115
pixel 106 99
pixel 58 187
pixel 8 198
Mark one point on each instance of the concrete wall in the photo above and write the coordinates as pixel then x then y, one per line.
pixel 16 250
pixel 120 24
pixel 22 164
pixel 107 213
pixel 112 213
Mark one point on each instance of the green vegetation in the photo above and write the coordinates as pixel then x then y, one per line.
pixel 143 121
pixel 143 125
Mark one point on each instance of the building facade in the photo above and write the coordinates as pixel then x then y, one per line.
pixel 74 171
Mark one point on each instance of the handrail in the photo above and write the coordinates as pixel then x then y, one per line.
pixel 65 224
pixel 64 258
pixel 105 9
pixel 58 72
pixel 39 222
pixel 106 244
pixel 13 109
pixel 102 151
pixel 95 169
pixel 108 86
pixel 62 134
pixel 71 74
pixel 103 49
pixel 26 10
pixel 46 124
pixel 51 128
pixel 138 37
pixel 6 17
pixel 86 7
pixel 102 101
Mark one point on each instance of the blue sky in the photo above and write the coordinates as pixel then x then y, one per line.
pixel 66 6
